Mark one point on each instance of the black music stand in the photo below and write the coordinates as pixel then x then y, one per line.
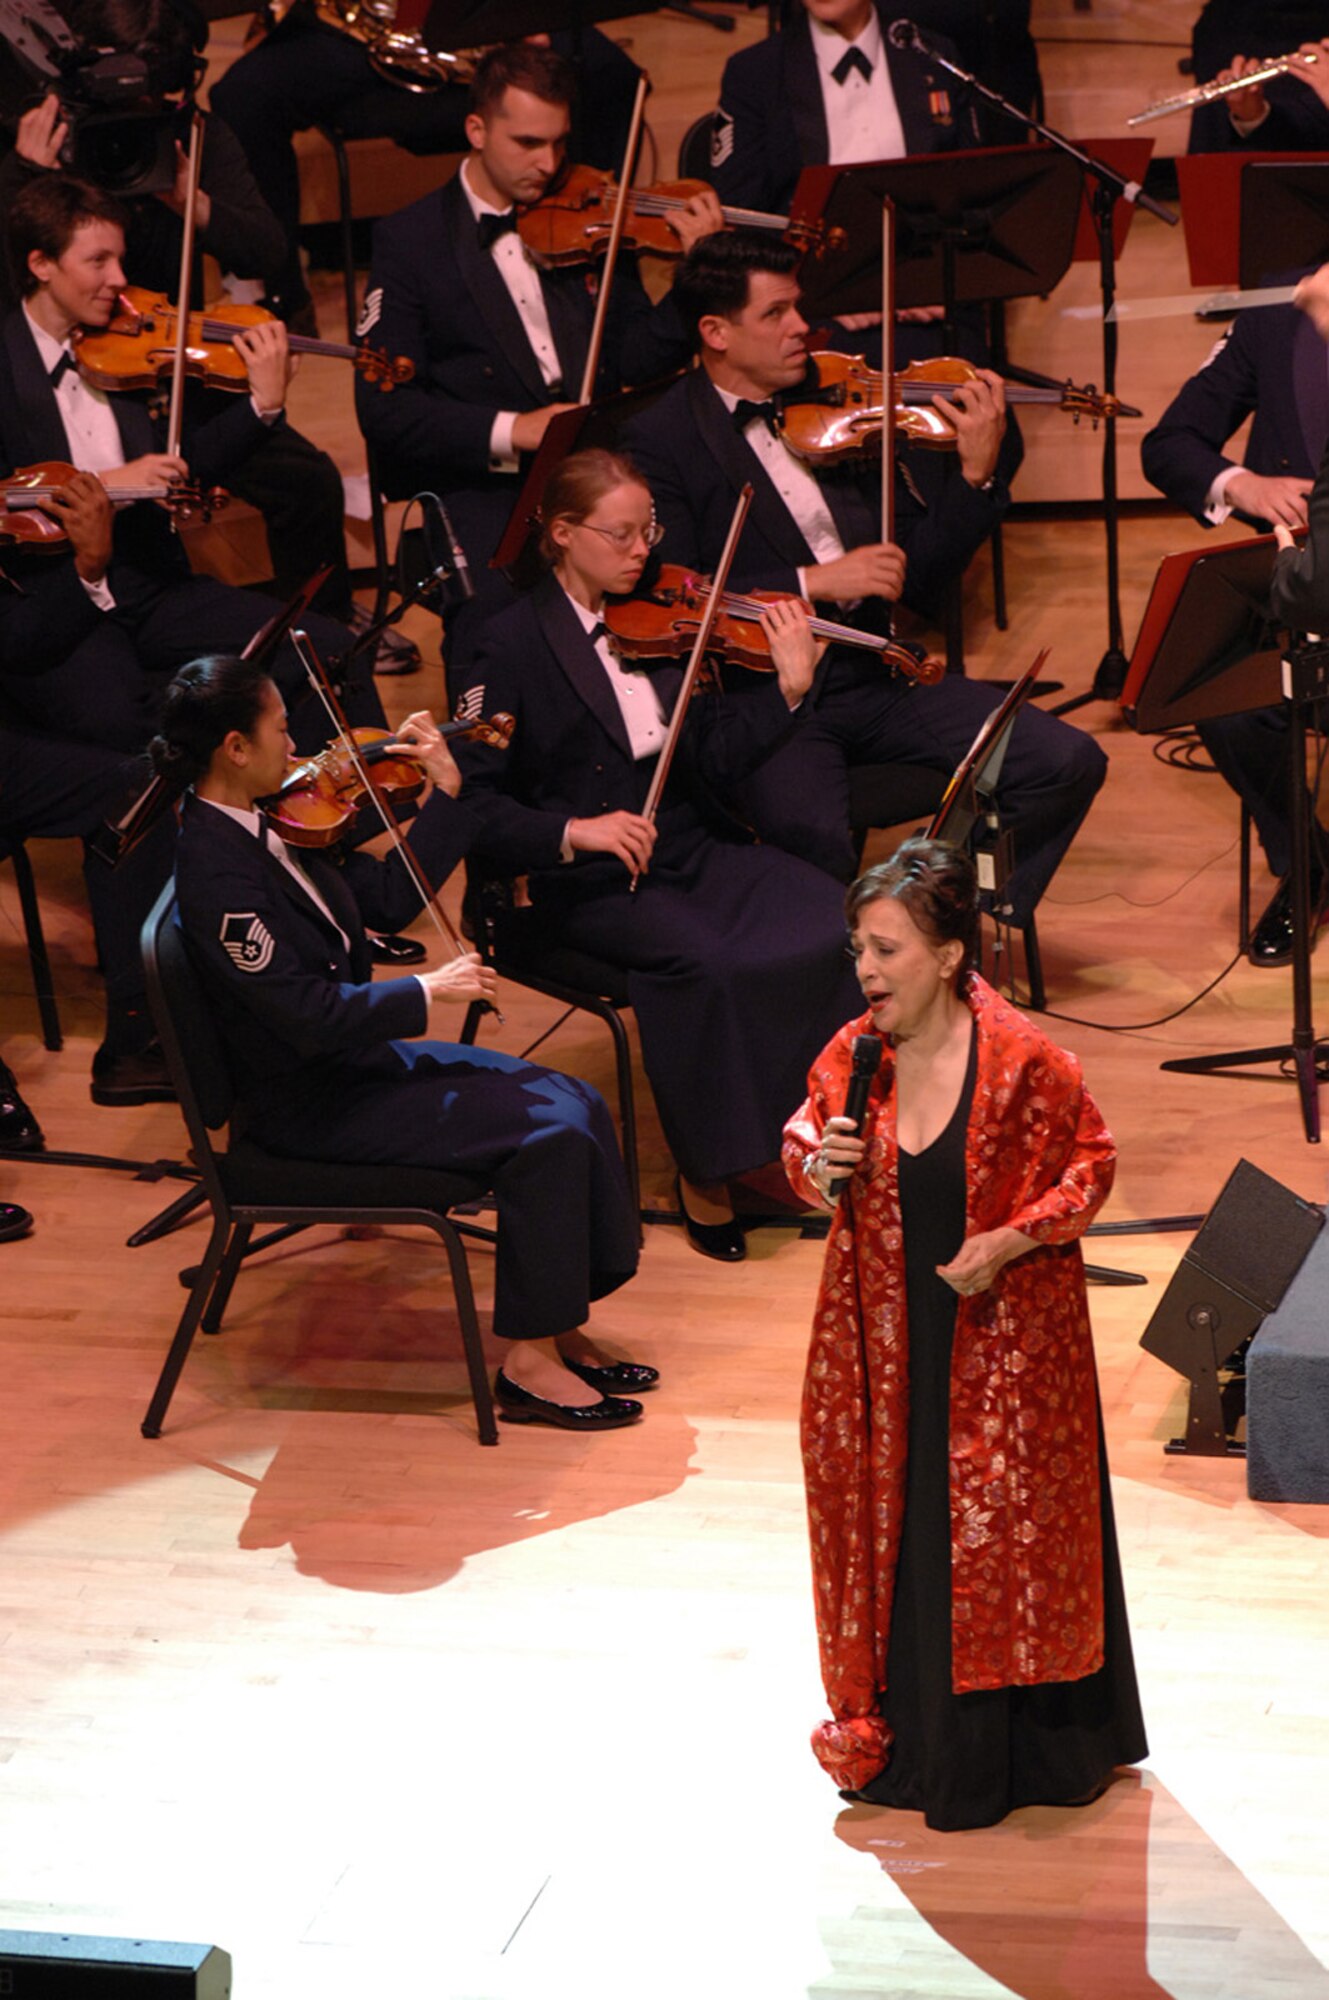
pixel 1210 639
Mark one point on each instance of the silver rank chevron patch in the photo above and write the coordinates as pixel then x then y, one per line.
pixel 369 312
pixel 247 941
pixel 722 138
pixel 471 706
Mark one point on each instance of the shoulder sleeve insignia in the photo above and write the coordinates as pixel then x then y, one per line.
pixel 247 941
pixel 722 138
pixel 471 705
pixel 369 312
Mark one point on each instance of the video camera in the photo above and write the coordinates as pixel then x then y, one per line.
pixel 122 106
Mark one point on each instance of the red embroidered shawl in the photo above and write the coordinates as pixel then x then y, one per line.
pixel 1026 1534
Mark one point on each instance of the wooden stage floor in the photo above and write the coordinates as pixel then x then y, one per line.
pixel 316 1678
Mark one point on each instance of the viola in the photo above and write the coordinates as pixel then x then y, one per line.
pixel 320 796
pixel 27 493
pixel 663 621
pixel 837 413
pixel 570 224
pixel 137 349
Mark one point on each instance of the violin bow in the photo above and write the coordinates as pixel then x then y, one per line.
pixel 319 680
pixel 888 374
pixel 175 418
pixel 592 368
pixel 693 668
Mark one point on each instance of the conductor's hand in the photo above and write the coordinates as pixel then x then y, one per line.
pixel 975 1266
pixel 430 750
pixel 269 363
pixel 1269 499
pixel 628 835
pixel 875 570
pixel 1245 107
pixel 41 133
pixel 528 432
pixel 83 509
pixel 464 978
pixel 977 412
pixel 794 651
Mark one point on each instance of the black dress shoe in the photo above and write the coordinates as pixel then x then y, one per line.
pixel 612 1376
pixel 1272 938
pixel 14 1221
pixel 391 950
pixel 523 1406
pixel 139 1076
pixel 722 1240
pixel 19 1130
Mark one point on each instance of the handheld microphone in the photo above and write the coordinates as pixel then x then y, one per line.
pixel 905 35
pixel 867 1061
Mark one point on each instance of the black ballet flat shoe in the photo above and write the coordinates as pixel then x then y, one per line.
pixel 135 1076
pixel 14 1222
pixel 392 950
pixel 522 1406
pixel 19 1130
pixel 611 1376
pixel 721 1240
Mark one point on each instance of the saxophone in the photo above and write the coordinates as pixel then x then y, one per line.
pixel 399 55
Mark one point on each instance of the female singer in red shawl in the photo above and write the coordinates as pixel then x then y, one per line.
pixel 970 1614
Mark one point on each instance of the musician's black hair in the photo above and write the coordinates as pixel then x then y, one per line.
pixel 937 885
pixel 44 216
pixel 146 27
pixel 716 275
pixel 521 66
pixel 204 703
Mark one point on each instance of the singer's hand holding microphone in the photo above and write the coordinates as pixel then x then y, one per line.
pixel 842 1151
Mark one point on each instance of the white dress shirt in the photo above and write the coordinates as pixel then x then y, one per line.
pixel 522 278
pixel 796 486
pixel 92 435
pixel 862 118
pixel 253 822
pixel 639 704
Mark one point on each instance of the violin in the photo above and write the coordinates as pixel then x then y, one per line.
pixel 320 796
pixel 571 223
pixel 137 349
pixel 26 493
pixel 838 411
pixel 663 621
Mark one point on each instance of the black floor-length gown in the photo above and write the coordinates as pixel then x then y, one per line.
pixel 966 1760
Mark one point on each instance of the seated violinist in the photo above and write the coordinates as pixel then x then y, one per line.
pixel 295 486
pixel 124 608
pixel 322 1059
pixel 498 342
pixel 734 952
pixel 818 535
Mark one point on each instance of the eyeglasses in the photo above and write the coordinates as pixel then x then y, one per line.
pixel 622 539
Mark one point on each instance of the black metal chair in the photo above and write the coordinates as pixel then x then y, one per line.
pixel 694 148
pixel 574 979
pixel 898 794
pixel 14 848
pixel 246 1185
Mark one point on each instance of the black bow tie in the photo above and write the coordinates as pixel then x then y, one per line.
pixel 488 228
pixel 851 60
pixel 64 366
pixel 745 411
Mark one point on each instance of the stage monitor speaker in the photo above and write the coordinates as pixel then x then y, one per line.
pixel 1248 1250
pixel 37 1965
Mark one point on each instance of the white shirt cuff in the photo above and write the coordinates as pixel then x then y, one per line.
pixel 502 457
pixel 100 592
pixel 1243 127
pixel 1217 506
pixel 265 416
pixel 566 851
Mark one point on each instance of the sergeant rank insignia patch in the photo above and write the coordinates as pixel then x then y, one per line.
pixel 247 941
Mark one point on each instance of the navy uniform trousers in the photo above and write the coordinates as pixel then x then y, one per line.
pixel 324 1071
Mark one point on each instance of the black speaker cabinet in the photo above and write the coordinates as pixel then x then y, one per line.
pixel 101 1968
pixel 1248 1250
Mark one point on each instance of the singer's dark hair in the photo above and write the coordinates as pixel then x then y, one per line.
pixel 938 887
pixel 716 275
pixel 204 703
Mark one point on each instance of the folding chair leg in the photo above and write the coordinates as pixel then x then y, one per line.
pixel 627 1111
pixel 184 1333
pixel 476 1366
pixel 1033 966
pixel 43 985
pixel 231 1262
